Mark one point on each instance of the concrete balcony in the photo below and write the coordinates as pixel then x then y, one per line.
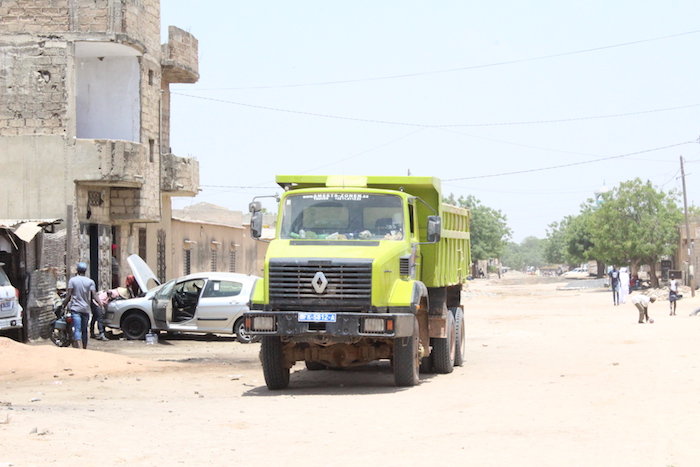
pixel 179 175
pixel 110 162
pixel 180 61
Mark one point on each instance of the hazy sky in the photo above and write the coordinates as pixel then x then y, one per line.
pixel 530 107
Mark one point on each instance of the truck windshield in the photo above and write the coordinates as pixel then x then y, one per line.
pixel 342 216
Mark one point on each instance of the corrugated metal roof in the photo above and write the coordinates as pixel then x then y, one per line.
pixel 26 229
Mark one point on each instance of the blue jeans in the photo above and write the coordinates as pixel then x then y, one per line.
pixel 80 327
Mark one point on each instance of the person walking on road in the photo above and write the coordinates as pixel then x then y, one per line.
pixel 615 285
pixel 624 285
pixel 673 295
pixel 80 294
pixel 642 303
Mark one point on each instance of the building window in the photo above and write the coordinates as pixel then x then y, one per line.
pixel 187 263
pixel 215 255
pixel 214 259
pixel 161 256
pixel 150 77
pixel 142 244
pixel 151 150
pixel 232 259
pixel 95 198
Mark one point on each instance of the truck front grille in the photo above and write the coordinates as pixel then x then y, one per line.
pixel 318 285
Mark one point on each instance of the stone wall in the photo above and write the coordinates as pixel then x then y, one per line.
pixel 33 82
pixel 40 305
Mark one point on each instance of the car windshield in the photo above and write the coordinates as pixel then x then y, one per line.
pixel 4 281
pixel 342 216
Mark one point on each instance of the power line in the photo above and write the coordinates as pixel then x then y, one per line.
pixel 452 70
pixel 541 169
pixel 424 125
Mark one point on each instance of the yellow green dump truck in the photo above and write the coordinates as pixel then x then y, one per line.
pixel 361 268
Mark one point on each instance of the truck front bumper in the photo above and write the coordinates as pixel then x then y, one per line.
pixel 341 324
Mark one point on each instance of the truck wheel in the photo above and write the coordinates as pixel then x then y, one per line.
pixel 407 359
pixel 460 337
pixel 274 369
pixel 315 366
pixel 135 326
pixel 426 365
pixel 444 348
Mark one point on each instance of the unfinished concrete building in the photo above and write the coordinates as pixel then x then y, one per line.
pixel 84 131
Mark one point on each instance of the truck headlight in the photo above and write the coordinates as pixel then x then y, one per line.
pixel 377 325
pixel 263 323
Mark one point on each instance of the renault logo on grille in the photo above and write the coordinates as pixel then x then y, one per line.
pixel 319 282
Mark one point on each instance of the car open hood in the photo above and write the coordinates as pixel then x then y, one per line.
pixel 142 273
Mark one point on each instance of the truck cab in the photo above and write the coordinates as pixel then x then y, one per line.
pixel 345 277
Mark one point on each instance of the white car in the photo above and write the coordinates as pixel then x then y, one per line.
pixel 577 273
pixel 207 302
pixel 10 309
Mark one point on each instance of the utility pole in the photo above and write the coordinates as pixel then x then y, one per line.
pixel 691 272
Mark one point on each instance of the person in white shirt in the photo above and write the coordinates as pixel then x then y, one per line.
pixel 624 285
pixel 642 303
pixel 673 295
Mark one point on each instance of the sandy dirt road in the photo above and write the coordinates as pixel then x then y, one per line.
pixel 552 378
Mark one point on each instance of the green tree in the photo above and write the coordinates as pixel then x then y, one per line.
pixel 530 252
pixel 488 229
pixel 512 257
pixel 636 223
pixel 555 250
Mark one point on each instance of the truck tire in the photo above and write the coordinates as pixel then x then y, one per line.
pixel 444 348
pixel 407 359
pixel 426 365
pixel 274 369
pixel 460 337
pixel 315 366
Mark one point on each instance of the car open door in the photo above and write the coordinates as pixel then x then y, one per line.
pixel 162 306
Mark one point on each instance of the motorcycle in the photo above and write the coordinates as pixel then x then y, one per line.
pixel 62 328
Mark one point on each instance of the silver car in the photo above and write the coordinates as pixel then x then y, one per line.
pixel 207 302
pixel 10 309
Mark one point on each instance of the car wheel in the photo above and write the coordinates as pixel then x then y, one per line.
pixel 239 330
pixel 135 326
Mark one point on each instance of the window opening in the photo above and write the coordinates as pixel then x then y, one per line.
pixel 142 244
pixel 187 263
pixel 160 251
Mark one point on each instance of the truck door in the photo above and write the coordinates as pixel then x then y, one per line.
pixel 162 305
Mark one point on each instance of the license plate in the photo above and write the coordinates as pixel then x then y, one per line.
pixel 6 306
pixel 317 317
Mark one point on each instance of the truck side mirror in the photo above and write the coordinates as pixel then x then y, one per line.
pixel 434 229
pixel 255 206
pixel 256 224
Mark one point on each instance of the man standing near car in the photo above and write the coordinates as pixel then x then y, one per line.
pixel 80 294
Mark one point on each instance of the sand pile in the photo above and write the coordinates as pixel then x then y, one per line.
pixel 41 362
